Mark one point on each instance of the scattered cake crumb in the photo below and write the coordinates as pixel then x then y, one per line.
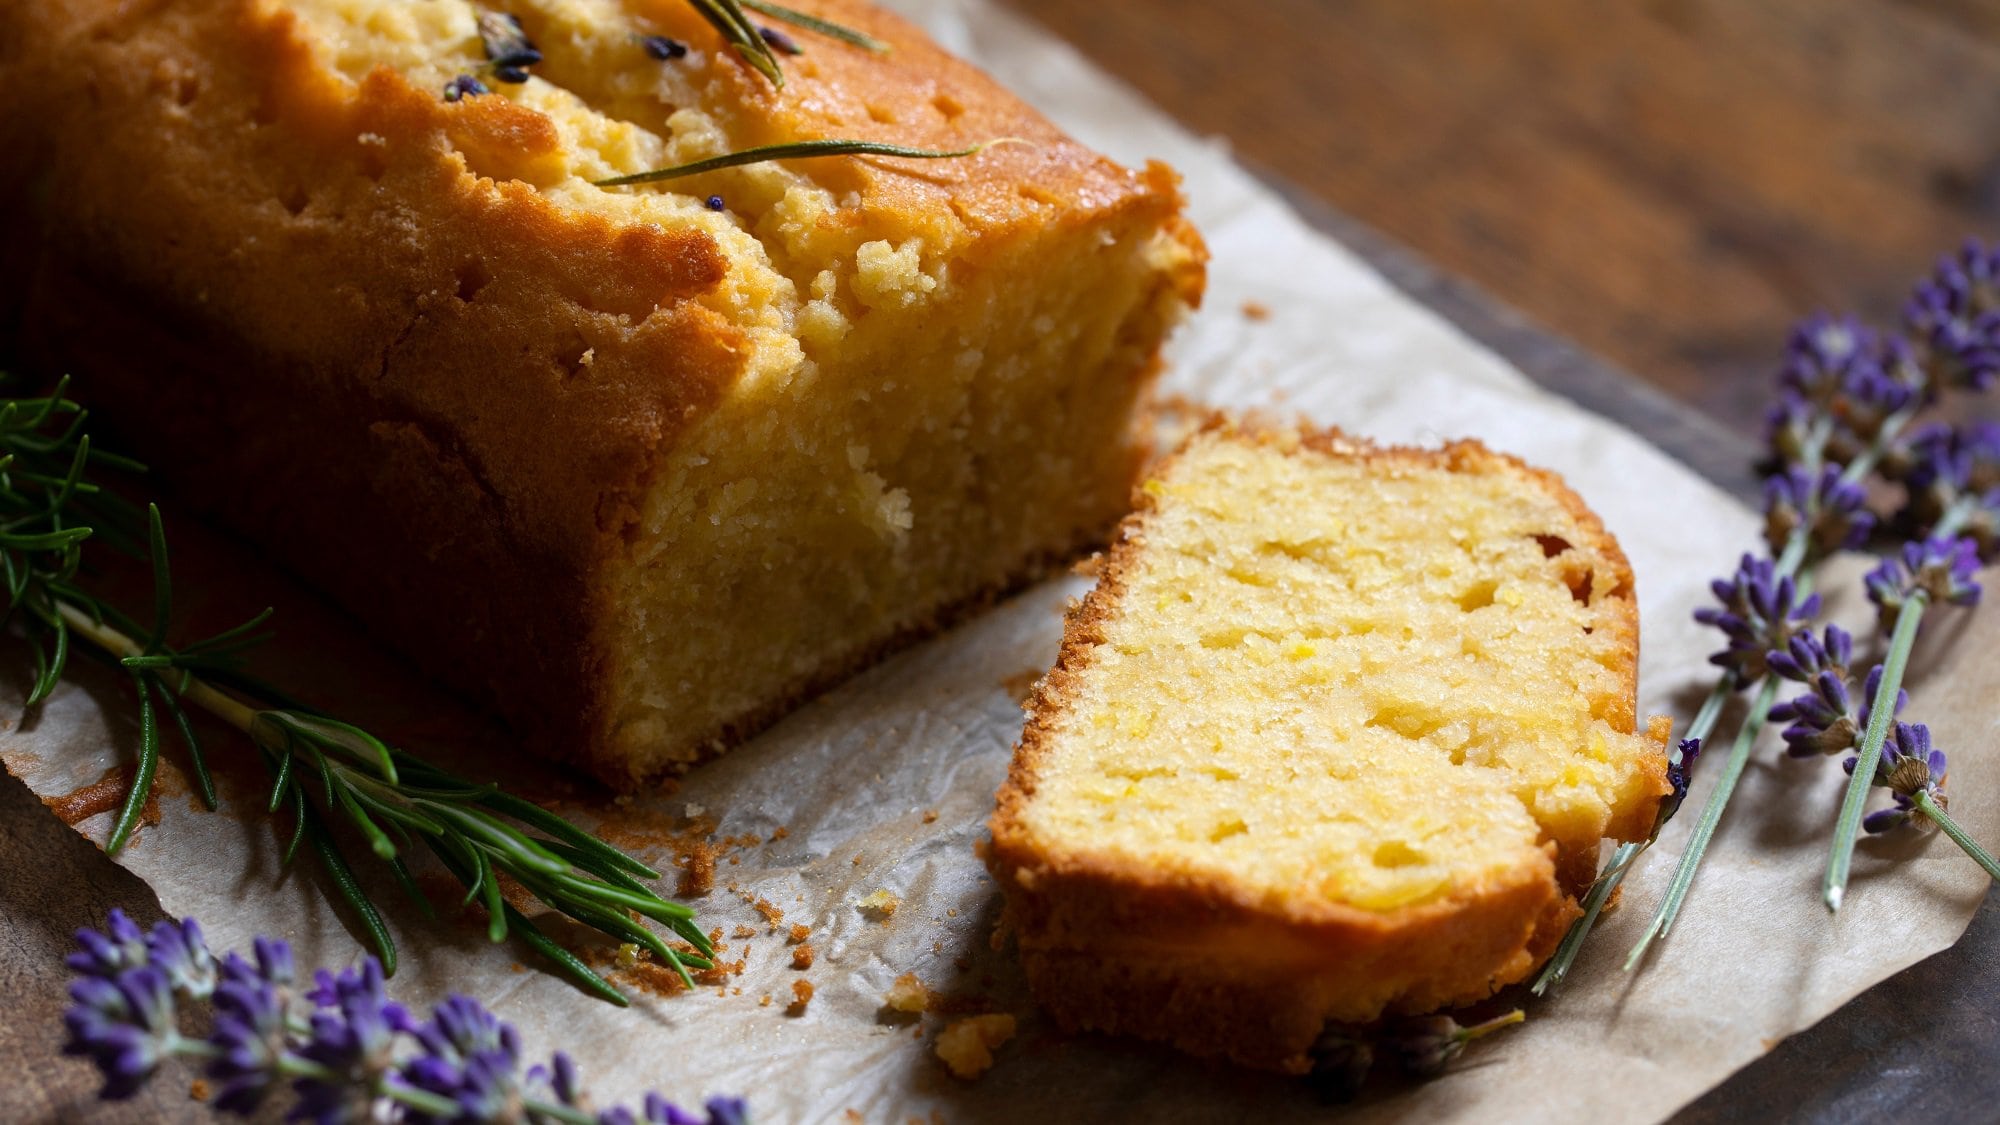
pixel 799 933
pixel 199 1090
pixel 881 903
pixel 745 932
pixel 772 913
pixel 1256 310
pixel 951 912
pixel 907 994
pixel 780 833
pixel 967 1045
pixel 764 1001
pixel 698 872
pixel 930 816
pixel 802 994
pixel 517 967
pixel 857 859
pixel 802 956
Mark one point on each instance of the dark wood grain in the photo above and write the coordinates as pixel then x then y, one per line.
pixel 1668 183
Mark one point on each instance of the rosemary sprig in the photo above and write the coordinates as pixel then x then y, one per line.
pixel 324 772
pixel 727 17
pixel 812 22
pixel 794 150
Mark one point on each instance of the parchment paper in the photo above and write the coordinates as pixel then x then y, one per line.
pixel 852 776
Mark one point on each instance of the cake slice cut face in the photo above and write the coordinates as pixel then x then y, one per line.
pixel 1337 734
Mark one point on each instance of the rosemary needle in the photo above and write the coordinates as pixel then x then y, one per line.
pixel 794 150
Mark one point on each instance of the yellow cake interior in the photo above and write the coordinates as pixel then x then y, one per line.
pixel 1354 680
pixel 914 425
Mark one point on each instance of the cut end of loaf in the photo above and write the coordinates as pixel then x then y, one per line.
pixel 1339 732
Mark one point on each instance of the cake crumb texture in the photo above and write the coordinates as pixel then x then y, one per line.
pixel 1338 733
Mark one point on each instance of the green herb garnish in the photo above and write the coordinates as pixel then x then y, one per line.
pixel 825 27
pixel 727 17
pixel 793 150
pixel 324 771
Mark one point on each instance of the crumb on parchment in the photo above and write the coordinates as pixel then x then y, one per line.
pixel 802 994
pixel 802 956
pixel 907 994
pixel 967 1045
pixel 881 903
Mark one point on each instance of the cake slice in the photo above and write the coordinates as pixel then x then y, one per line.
pixel 1336 735
pixel 638 467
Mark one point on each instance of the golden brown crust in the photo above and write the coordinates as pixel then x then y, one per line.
pixel 1111 944
pixel 345 318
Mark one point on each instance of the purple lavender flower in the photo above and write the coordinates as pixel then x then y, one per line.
pixel 1833 510
pixel 1952 468
pixel 250 1027
pixel 470 1057
pixel 663 48
pixel 1825 720
pixel 1841 381
pixel 1679 774
pixel 723 1110
pixel 362 1058
pixel 464 86
pixel 779 41
pixel 507 46
pixel 1425 1045
pixel 556 1082
pixel 1910 767
pixel 1759 613
pixel 1955 314
pixel 1807 656
pixel 1341 1062
pixel 177 949
pixel 108 954
pixel 353 1036
pixel 1944 570
pixel 125 1025
pixel 1821 352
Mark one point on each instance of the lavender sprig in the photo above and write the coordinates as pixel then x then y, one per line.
pixel 1846 401
pixel 1421 1046
pixel 1937 570
pixel 349 1053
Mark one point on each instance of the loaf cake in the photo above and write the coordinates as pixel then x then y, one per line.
pixel 639 467
pixel 1336 735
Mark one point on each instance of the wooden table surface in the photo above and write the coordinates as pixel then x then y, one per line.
pixel 1667 184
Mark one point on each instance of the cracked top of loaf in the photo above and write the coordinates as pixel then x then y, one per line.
pixel 363 212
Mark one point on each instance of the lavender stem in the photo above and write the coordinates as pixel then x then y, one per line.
pixel 1711 817
pixel 1881 717
pixel 1943 820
